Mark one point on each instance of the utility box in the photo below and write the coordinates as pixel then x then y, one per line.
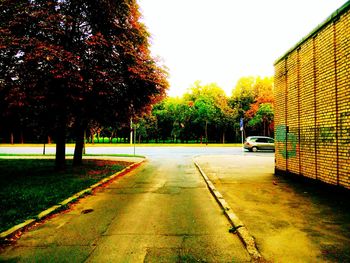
pixel 312 104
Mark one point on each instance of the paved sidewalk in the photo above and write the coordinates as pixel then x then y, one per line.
pixel 291 220
pixel 160 212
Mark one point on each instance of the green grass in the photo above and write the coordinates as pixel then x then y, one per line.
pixel 29 186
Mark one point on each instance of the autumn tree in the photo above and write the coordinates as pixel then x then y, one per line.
pixel 128 78
pixel 243 94
pixel 70 62
pixel 263 117
pixel 39 73
pixel 253 99
pixel 260 115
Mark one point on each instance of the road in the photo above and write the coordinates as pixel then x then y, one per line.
pixel 153 151
pixel 160 212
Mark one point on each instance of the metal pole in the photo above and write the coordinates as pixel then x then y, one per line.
pixel 241 127
pixel 84 149
pixel 134 139
pixel 131 131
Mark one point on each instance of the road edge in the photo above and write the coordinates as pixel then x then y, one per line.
pixel 237 224
pixel 63 204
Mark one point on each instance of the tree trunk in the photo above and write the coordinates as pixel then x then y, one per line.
pixel 11 138
pixel 223 137
pixel 60 110
pixel 60 161
pixel 79 146
pixel 22 138
pixel 78 149
pixel 206 132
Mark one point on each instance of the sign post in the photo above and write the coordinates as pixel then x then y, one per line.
pixel 241 128
pixel 134 131
pixel 131 132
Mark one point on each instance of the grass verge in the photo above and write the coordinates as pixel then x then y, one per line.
pixel 29 186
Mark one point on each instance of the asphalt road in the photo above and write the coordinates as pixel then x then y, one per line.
pixel 154 151
pixel 160 212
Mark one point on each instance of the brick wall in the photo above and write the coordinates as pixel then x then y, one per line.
pixel 312 104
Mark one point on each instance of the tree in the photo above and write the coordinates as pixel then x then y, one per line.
pixel 164 120
pixel 147 127
pixel 247 97
pixel 210 105
pixel 39 70
pixel 81 61
pixel 260 114
pixel 131 78
pixel 227 116
pixel 244 93
pixel 263 117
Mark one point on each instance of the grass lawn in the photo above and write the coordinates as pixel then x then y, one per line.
pixel 29 186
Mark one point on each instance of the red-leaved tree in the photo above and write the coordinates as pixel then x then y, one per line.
pixel 67 63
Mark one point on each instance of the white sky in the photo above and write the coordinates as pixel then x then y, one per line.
pixel 223 40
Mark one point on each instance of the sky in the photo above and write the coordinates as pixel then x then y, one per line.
pixel 223 40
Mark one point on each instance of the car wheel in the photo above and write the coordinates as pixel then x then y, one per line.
pixel 254 149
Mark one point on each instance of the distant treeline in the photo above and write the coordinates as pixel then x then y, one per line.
pixel 204 114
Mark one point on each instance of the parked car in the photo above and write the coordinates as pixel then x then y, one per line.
pixel 255 143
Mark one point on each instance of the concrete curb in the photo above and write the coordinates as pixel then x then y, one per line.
pixel 237 224
pixel 60 206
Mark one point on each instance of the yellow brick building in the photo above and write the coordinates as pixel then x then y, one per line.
pixel 312 104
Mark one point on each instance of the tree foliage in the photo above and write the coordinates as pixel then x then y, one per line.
pixel 261 114
pixel 68 63
pixel 205 114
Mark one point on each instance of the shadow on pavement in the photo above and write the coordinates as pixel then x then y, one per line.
pixel 291 218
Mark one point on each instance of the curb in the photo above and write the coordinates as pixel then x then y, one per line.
pixel 62 205
pixel 236 223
